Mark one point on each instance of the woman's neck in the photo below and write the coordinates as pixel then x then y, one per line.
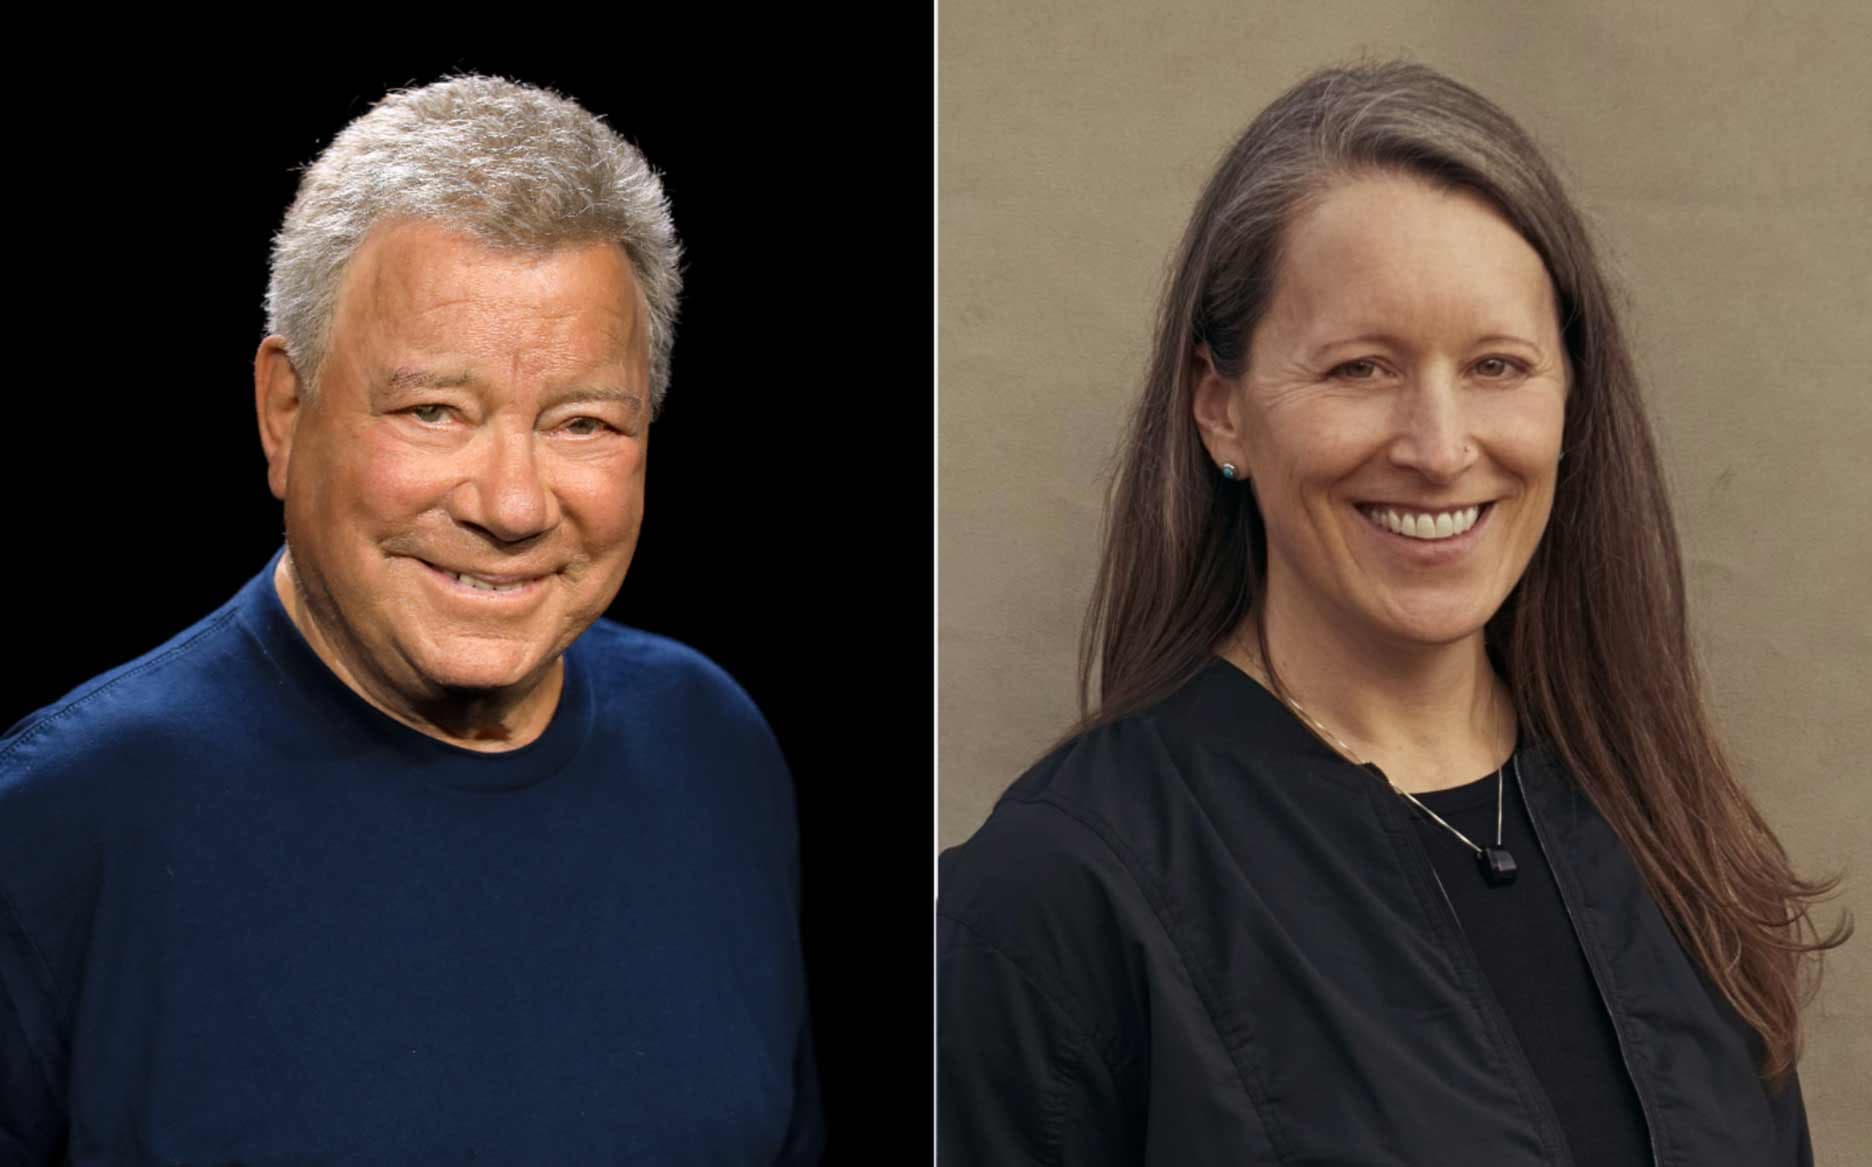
pixel 1429 716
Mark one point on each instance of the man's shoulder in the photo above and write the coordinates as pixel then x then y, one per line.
pixel 662 677
pixel 647 656
pixel 665 710
pixel 620 654
pixel 99 752
pixel 137 704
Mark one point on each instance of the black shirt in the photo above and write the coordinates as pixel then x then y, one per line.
pixel 1524 941
pixel 1197 935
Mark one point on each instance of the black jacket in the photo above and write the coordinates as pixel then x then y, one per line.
pixel 1199 936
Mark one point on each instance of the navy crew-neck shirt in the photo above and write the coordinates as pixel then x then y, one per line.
pixel 247 917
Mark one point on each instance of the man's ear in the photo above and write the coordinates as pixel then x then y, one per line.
pixel 1215 401
pixel 278 400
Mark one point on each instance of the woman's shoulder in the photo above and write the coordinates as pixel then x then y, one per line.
pixel 1084 825
pixel 1048 915
pixel 1057 837
pixel 1126 811
pixel 1100 786
pixel 1099 775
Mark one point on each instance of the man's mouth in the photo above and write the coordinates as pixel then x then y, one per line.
pixel 501 584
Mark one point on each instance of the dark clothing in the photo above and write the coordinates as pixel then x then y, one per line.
pixel 247 917
pixel 1520 937
pixel 1198 936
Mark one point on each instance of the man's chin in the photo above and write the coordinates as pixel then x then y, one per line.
pixel 481 671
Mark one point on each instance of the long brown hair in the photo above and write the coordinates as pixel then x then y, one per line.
pixel 1594 638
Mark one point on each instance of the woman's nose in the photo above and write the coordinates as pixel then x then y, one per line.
pixel 1432 428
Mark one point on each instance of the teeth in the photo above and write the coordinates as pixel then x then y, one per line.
pixel 475 582
pixel 1440 526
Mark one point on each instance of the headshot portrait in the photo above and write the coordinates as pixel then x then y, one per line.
pixel 1399 699
pixel 405 766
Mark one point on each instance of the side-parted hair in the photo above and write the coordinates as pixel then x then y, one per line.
pixel 513 165
pixel 1593 640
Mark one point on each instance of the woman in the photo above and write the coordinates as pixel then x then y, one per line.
pixel 1389 518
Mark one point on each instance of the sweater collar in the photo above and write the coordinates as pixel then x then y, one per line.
pixel 354 731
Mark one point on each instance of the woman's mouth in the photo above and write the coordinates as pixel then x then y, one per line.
pixel 1424 525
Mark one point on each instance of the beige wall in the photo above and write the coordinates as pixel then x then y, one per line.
pixel 1720 150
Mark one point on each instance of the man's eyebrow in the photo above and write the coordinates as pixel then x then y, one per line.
pixel 408 377
pixel 602 393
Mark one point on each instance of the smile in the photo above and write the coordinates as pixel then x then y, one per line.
pixel 1428 526
pixel 484 587
pixel 1428 538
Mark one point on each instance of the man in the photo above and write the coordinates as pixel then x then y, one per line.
pixel 404 854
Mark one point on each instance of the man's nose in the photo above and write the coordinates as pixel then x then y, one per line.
pixel 507 490
pixel 1432 427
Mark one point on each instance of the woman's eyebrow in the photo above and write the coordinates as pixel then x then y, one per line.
pixel 1386 338
pixel 1509 338
pixel 1383 338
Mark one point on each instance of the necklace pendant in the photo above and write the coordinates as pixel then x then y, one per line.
pixel 1498 867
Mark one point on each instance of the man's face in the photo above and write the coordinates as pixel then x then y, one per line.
pixel 479 411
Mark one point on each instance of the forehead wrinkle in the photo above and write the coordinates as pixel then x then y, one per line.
pixel 1339 285
pixel 437 343
pixel 456 355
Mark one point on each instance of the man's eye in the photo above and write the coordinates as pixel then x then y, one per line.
pixel 430 414
pixel 597 425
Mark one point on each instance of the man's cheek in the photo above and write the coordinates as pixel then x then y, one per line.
pixel 609 498
pixel 403 484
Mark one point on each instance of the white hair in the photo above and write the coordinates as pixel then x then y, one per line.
pixel 510 164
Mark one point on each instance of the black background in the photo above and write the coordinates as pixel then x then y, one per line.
pixel 788 523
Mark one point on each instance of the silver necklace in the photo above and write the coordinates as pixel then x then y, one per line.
pixel 1498 866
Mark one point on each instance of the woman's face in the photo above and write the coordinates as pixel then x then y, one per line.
pixel 1410 363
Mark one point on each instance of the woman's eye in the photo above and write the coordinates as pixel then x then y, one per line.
pixel 1497 367
pixel 1362 370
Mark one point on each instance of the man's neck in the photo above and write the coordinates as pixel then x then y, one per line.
pixel 489 723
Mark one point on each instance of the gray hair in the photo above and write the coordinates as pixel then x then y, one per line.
pixel 513 165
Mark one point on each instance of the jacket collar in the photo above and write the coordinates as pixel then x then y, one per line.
pixel 1222 695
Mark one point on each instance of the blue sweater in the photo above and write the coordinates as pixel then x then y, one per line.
pixel 245 916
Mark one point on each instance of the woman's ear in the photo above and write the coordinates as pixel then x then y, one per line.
pixel 1215 402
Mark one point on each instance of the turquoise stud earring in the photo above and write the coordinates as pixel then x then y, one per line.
pixel 1228 471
